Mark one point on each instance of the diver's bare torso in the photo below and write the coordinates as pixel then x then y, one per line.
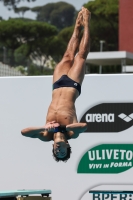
pixel 61 112
pixel 62 108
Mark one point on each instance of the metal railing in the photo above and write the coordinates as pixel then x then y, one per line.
pixel 6 70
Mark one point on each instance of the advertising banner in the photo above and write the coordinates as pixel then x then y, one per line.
pixel 110 192
pixel 102 155
pixel 107 158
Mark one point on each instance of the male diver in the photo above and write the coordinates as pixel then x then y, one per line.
pixel 61 121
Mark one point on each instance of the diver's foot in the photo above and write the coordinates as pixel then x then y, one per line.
pixel 79 19
pixel 86 16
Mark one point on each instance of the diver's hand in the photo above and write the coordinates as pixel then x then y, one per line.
pixel 50 126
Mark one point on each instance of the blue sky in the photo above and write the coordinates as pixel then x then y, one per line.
pixel 5 13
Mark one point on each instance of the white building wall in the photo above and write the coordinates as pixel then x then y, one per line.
pixel 27 163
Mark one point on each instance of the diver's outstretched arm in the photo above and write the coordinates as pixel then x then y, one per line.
pixel 76 128
pixel 33 132
pixel 40 132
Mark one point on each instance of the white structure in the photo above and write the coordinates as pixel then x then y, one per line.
pixel 122 58
pixel 27 163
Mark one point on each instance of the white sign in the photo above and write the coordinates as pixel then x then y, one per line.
pixel 27 163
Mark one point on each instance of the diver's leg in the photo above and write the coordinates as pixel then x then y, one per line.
pixel 77 71
pixel 67 61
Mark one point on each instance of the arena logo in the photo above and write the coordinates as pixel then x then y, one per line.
pixel 100 117
pixel 109 117
pixel 125 117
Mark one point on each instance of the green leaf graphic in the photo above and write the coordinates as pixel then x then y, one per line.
pixel 107 159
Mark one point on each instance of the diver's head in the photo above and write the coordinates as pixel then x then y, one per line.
pixel 61 147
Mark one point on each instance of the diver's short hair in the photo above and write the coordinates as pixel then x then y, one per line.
pixel 65 158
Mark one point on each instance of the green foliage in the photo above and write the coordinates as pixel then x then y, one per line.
pixel 22 19
pixel 56 48
pixel 13 3
pixel 106 69
pixel 36 71
pixel 66 33
pixel 60 14
pixel 26 37
pixel 36 9
pixel 21 55
pixel 17 31
pixel 21 69
pixel 1 53
pixel 104 24
pixel 21 10
pixel 60 41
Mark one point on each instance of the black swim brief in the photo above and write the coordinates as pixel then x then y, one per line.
pixel 60 128
pixel 65 81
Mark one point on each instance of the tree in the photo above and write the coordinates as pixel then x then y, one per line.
pixel 104 24
pixel 36 9
pixel 64 37
pixel 28 37
pixel 60 14
pixel 21 10
pixel 13 3
pixel 56 48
